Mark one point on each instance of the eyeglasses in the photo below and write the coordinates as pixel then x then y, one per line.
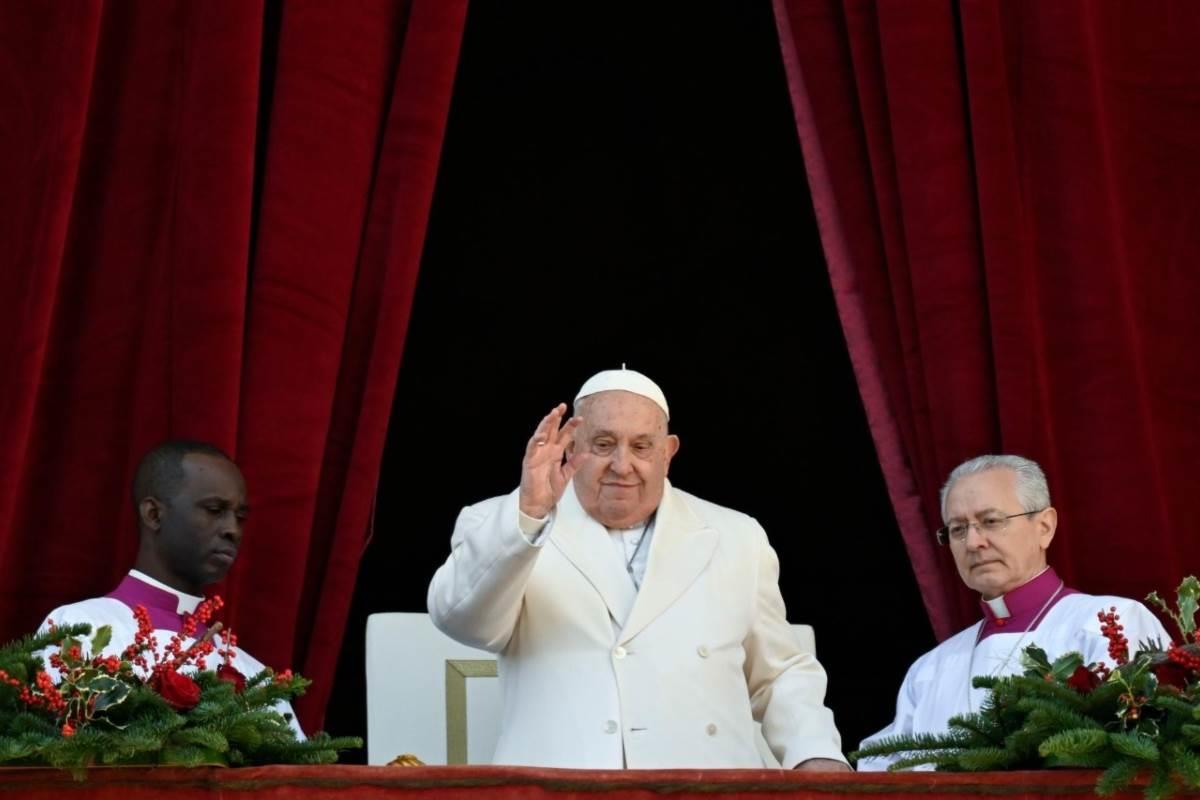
pixel 990 523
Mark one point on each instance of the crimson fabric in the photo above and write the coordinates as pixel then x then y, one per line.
pixel 513 783
pixel 140 305
pixel 1007 198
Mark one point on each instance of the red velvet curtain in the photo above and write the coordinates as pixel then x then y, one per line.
pixel 152 291
pixel 1008 193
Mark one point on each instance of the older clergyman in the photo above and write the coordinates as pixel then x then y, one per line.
pixel 998 525
pixel 636 625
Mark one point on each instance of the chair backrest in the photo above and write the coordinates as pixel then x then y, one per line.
pixel 427 694
pixel 439 700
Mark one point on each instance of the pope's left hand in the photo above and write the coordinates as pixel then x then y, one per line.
pixel 823 765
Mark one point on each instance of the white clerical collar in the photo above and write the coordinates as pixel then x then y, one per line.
pixel 998 607
pixel 186 602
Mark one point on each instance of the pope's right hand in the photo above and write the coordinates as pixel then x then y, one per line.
pixel 544 472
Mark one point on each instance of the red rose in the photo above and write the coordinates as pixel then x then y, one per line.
pixel 230 675
pixel 1083 680
pixel 180 691
pixel 1171 674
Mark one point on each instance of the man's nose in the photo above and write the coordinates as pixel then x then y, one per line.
pixel 231 527
pixel 975 538
pixel 620 463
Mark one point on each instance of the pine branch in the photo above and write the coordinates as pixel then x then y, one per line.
pixel 1040 688
pixel 915 742
pixel 202 737
pixel 1190 733
pixel 980 729
pixel 1074 742
pixel 1174 705
pixel 987 759
pixel 189 756
pixel 1102 702
pixel 1101 759
pixel 1183 762
pixel 26 645
pixel 940 759
pixel 1050 713
pixel 1118 776
pixel 1135 745
pixel 1161 785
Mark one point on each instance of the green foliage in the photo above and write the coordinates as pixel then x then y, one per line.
pixel 1118 775
pixel 987 759
pixel 135 725
pixel 1190 734
pixel 1188 600
pixel 1073 743
pixel 1135 745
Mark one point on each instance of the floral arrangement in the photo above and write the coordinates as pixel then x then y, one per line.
pixel 146 705
pixel 1141 716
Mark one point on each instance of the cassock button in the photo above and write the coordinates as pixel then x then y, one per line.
pixel 702 651
pixel 711 729
pixel 610 726
pixel 619 652
pixel 1000 623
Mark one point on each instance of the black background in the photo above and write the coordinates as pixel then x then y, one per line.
pixel 625 184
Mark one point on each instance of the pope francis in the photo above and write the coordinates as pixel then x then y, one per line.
pixel 636 625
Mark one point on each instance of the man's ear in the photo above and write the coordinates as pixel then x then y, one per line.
pixel 1047 524
pixel 672 447
pixel 150 513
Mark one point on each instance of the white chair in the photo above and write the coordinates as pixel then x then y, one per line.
pixel 439 700
pixel 420 685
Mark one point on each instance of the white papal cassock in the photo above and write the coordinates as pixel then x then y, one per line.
pixel 598 673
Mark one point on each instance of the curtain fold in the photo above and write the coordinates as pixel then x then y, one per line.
pixel 1006 197
pixel 140 309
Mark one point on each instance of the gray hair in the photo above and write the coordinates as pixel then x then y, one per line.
pixel 1032 490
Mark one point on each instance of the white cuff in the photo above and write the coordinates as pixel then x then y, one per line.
pixel 532 528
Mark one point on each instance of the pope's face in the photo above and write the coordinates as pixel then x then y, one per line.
pixel 625 436
pixel 995 563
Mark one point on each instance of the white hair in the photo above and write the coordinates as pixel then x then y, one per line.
pixel 1032 490
pixel 582 403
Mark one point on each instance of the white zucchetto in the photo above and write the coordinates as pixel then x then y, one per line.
pixel 625 380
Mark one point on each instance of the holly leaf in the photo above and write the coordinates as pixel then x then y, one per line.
pixel 1189 599
pixel 101 639
pixel 1154 600
pixel 1035 661
pixel 109 692
pixel 1065 665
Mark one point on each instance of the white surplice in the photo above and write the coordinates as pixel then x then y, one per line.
pixel 938 685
